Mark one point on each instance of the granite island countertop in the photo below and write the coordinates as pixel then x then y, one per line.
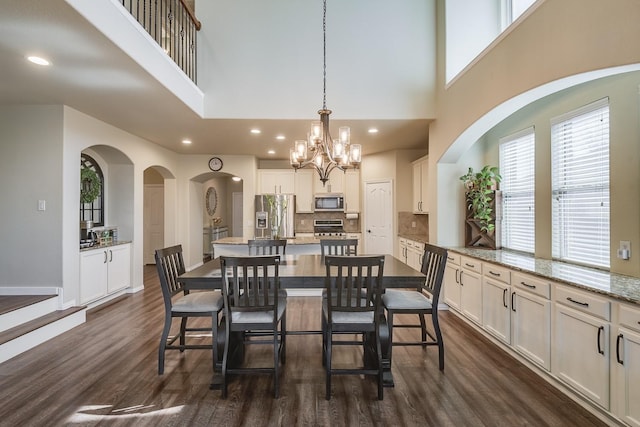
pixel 613 285
pixel 244 241
pixel 108 245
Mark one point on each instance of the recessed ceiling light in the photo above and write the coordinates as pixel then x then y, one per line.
pixel 373 130
pixel 255 131
pixel 186 141
pixel 236 178
pixel 38 60
pixel 280 137
pixel 271 152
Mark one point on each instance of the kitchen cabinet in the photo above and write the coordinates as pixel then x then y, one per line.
pixel 581 344
pixel 471 289
pixel 352 191
pixel 402 246
pixel 272 181
pixel 626 367
pixel 420 175
pixel 531 318
pixel 104 271
pixel 335 184
pixel 303 183
pixel 496 309
pixel 452 281
pixel 415 252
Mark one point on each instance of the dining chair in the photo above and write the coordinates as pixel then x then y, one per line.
pixel 415 301
pixel 180 303
pixel 250 288
pixel 338 247
pixel 353 285
pixel 267 246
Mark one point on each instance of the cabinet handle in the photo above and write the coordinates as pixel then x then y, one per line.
pixel 110 255
pixel 600 330
pixel 461 284
pixel 105 257
pixel 450 258
pixel 513 306
pixel 528 285
pixel 469 265
pixel 494 274
pixel 457 278
pixel 620 337
pixel 504 298
pixel 584 304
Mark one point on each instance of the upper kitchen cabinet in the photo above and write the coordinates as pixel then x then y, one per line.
pixel 420 174
pixel 335 184
pixel 303 185
pixel 352 191
pixel 272 181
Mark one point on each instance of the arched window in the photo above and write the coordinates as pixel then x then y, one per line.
pixel 93 211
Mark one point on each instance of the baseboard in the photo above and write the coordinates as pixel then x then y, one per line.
pixel 30 290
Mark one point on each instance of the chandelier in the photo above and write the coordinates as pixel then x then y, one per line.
pixel 319 151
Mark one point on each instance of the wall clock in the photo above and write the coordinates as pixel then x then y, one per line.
pixel 215 164
pixel 211 201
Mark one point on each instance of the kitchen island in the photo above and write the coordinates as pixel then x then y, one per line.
pixel 238 246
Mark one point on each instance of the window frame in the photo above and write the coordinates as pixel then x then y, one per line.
pixel 95 209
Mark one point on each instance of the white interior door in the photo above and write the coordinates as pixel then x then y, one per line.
pixel 153 221
pixel 236 214
pixel 378 218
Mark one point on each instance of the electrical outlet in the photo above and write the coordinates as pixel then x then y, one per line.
pixel 413 224
pixel 624 250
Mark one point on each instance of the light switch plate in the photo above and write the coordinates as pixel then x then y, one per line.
pixel 42 205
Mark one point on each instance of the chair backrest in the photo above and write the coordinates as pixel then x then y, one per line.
pixel 267 247
pixel 434 262
pixel 338 247
pixel 354 283
pixel 170 265
pixel 250 283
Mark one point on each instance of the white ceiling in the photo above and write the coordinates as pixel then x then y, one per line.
pixel 91 74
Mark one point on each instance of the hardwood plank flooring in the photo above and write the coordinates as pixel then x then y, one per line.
pixel 104 373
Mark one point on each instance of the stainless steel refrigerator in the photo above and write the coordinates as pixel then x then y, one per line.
pixel 275 216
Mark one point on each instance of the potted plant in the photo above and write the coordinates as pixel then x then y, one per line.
pixel 480 187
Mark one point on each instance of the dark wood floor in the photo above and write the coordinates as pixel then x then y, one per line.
pixel 104 372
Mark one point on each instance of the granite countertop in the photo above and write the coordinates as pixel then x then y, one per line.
pixel 415 237
pixel 244 241
pixel 621 287
pixel 116 243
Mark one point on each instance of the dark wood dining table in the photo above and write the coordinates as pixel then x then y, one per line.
pixel 308 272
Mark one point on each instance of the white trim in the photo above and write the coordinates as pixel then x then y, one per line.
pixel 30 290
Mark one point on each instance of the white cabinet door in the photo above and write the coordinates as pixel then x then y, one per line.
pixel 531 327
pixel 452 281
pixel 471 295
pixel 304 190
pixel 335 184
pixel 119 267
pixel 627 372
pixel 272 181
pixel 420 174
pixel 93 275
pixel 402 246
pixel 352 191
pixel 581 353
pixel 496 312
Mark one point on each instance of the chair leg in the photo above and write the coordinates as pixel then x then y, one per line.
pixel 163 343
pixel 380 368
pixel 283 338
pixel 436 327
pixel 276 364
pixel 183 332
pixel 423 328
pixel 328 364
pixel 225 354
pixel 324 342
pixel 390 324
pixel 214 338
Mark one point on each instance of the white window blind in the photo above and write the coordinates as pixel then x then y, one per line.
pixel 517 167
pixel 580 185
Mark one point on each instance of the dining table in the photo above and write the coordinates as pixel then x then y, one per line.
pixel 305 272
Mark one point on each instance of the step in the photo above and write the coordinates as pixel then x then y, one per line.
pixel 34 332
pixel 18 309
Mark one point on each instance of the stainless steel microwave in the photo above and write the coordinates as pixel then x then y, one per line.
pixel 329 202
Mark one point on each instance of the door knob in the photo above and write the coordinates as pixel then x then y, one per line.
pixel 368 231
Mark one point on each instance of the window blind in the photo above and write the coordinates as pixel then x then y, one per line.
pixel 517 167
pixel 580 185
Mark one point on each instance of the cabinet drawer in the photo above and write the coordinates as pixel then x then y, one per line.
pixel 453 258
pixel 471 264
pixel 416 245
pixel 630 317
pixel 584 302
pixel 496 272
pixel 531 284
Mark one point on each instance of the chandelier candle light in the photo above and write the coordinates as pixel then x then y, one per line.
pixel 319 150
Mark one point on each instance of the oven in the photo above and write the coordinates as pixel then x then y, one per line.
pixel 328 228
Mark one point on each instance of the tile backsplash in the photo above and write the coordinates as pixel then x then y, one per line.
pixel 412 224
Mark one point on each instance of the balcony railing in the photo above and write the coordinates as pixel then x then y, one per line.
pixel 173 26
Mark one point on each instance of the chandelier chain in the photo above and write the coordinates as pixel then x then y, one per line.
pixel 324 56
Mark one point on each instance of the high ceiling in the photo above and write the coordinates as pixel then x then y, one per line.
pixel 91 74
